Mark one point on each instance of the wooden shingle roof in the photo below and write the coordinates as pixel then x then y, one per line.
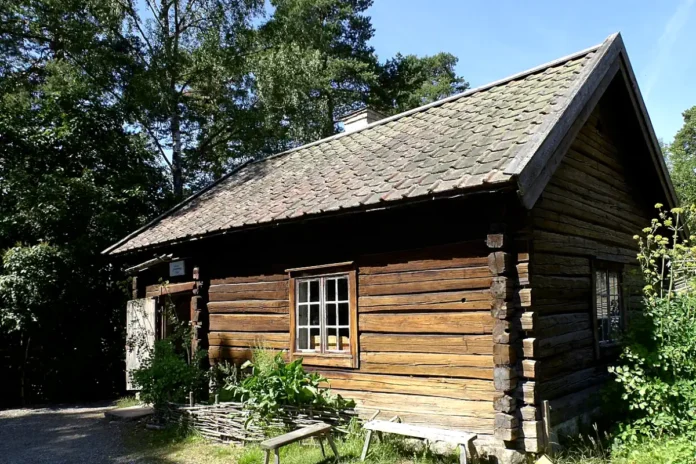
pixel 482 138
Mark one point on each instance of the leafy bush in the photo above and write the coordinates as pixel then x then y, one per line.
pixel 657 371
pixel 273 383
pixel 168 376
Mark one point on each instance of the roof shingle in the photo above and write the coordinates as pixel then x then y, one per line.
pixel 458 143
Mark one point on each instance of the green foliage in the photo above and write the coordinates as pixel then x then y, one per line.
pixel 273 383
pixel 681 159
pixel 127 402
pixel 657 372
pixel 409 81
pixel 167 376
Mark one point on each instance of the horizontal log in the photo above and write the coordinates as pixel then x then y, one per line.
pixel 559 324
pixel 555 264
pixel 530 413
pixel 482 427
pixel 444 323
pixel 545 347
pixel 249 287
pixel 249 322
pixel 398 265
pixel 168 289
pixel 420 404
pixel 425 276
pixel 465 389
pixel 249 295
pixel 249 279
pixel 575 404
pixel 534 392
pixel 554 366
pixel 431 364
pixel 425 286
pixel 250 339
pixel 409 343
pixel 236 356
pixel 449 300
pixel 249 306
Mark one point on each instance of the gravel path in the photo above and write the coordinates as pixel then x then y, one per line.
pixel 61 435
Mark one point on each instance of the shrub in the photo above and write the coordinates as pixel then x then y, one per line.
pixel 168 376
pixel 273 383
pixel 657 369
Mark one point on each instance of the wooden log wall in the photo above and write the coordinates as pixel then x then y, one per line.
pixel 590 210
pixel 426 348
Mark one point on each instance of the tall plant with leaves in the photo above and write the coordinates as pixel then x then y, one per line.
pixel 681 159
pixel 657 372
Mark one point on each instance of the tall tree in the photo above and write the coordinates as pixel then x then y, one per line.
pixel 406 82
pixel 681 158
pixel 317 65
pixel 74 177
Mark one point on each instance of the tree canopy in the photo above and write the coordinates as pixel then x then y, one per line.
pixel 110 110
pixel 681 159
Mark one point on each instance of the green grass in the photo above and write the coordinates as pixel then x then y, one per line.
pixel 665 450
pixel 127 402
pixel 171 446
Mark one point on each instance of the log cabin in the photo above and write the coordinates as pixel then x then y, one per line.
pixel 466 264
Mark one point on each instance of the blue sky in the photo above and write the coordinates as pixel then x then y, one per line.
pixel 494 39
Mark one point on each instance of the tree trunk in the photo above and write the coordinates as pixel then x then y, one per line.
pixel 177 177
pixel 22 391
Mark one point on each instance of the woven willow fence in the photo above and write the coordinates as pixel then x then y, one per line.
pixel 232 423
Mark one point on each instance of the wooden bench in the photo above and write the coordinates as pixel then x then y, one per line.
pixel 318 431
pixel 463 440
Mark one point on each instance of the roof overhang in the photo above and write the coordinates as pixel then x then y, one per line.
pixel 534 167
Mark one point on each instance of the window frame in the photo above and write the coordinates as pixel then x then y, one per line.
pixel 348 358
pixel 604 346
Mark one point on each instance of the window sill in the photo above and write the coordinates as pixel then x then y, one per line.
pixel 325 359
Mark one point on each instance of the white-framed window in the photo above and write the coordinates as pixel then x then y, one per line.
pixel 608 303
pixel 323 314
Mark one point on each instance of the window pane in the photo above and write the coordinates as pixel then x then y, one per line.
pixel 314 339
pixel 614 322
pixel 343 314
pixel 302 340
pixel 344 339
pixel 331 314
pixel 303 293
pixel 330 289
pixel 314 290
pixel 343 288
pixel 601 284
pixel 314 314
pixel 303 316
pixel 331 340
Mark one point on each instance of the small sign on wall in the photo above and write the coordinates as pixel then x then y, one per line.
pixel 176 268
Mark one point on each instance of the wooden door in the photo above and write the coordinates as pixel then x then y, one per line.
pixel 140 334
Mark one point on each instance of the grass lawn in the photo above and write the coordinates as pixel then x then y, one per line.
pixel 170 447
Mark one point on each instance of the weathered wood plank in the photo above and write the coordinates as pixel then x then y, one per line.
pixel 443 323
pixel 249 287
pixel 425 264
pixel 249 322
pixel 464 389
pixel 432 364
pixel 446 299
pixel 250 339
pixel 249 279
pixel 249 295
pixel 425 286
pixel 249 306
pixel 409 343
pixel 420 404
pixel 425 276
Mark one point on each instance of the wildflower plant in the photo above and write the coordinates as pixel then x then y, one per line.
pixel 657 368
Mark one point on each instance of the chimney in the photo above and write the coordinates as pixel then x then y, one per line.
pixel 359 119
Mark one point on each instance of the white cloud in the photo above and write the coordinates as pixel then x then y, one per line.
pixel 669 36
